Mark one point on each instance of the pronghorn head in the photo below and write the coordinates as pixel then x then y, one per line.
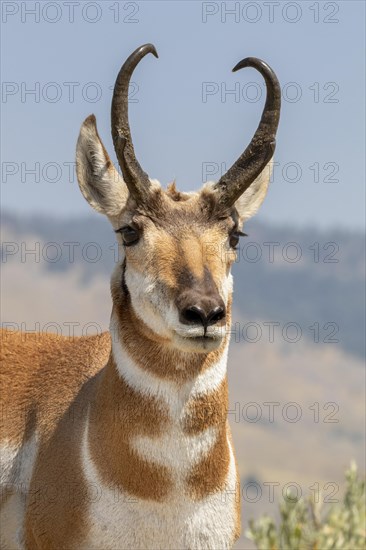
pixel 176 248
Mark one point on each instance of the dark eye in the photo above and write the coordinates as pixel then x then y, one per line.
pixel 234 238
pixel 130 235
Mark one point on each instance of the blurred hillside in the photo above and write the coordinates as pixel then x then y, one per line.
pixel 295 367
pixel 283 275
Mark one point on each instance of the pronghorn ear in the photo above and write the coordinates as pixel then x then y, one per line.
pixel 99 181
pixel 250 201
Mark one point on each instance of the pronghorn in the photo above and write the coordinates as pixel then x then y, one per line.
pixel 121 440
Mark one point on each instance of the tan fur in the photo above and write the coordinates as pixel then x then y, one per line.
pixel 118 413
pixel 40 376
pixel 207 410
pixel 48 396
pixel 209 475
pixel 192 253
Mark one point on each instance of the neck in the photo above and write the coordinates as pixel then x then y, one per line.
pixel 161 411
pixel 150 365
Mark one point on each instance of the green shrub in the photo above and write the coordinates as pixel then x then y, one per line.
pixel 305 525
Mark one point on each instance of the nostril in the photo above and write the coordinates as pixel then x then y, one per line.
pixel 194 315
pixel 216 315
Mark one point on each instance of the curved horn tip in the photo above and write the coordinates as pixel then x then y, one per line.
pixel 254 62
pixel 148 48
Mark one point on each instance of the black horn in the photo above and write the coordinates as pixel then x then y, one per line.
pixel 261 148
pixel 136 179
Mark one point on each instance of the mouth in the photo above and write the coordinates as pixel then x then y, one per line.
pixel 198 342
pixel 204 338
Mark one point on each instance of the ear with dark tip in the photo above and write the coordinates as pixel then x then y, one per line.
pixel 98 179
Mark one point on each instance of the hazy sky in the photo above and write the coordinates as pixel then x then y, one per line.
pixel 59 61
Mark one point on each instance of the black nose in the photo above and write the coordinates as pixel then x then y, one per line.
pixel 203 313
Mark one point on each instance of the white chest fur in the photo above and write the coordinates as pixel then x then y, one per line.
pixel 118 520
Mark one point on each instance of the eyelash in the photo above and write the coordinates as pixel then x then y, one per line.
pixel 236 235
pixel 123 231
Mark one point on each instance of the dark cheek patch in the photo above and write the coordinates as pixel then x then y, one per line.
pixel 123 281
